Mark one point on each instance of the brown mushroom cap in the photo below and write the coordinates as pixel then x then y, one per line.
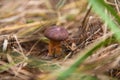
pixel 56 33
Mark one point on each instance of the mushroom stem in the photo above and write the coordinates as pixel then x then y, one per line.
pixel 54 48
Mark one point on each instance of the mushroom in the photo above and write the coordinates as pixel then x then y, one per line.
pixel 55 34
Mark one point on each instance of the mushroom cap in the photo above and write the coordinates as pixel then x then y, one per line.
pixel 56 33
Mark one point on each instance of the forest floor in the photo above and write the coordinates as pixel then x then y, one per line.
pixel 23 45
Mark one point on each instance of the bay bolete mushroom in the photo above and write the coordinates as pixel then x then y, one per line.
pixel 55 34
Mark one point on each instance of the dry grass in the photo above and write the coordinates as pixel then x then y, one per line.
pixel 23 45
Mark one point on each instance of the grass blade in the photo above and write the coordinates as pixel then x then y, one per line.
pixel 99 6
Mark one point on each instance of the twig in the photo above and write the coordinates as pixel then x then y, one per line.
pixel 109 3
pixel 22 53
pixel 85 41
pixel 116 5
pixel 32 48
pixel 67 56
pixel 84 24
pixel 85 17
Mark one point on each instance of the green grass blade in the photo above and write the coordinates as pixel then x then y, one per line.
pixel 72 68
pixel 99 6
pixel 6 67
pixel 110 9
pixel 60 4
